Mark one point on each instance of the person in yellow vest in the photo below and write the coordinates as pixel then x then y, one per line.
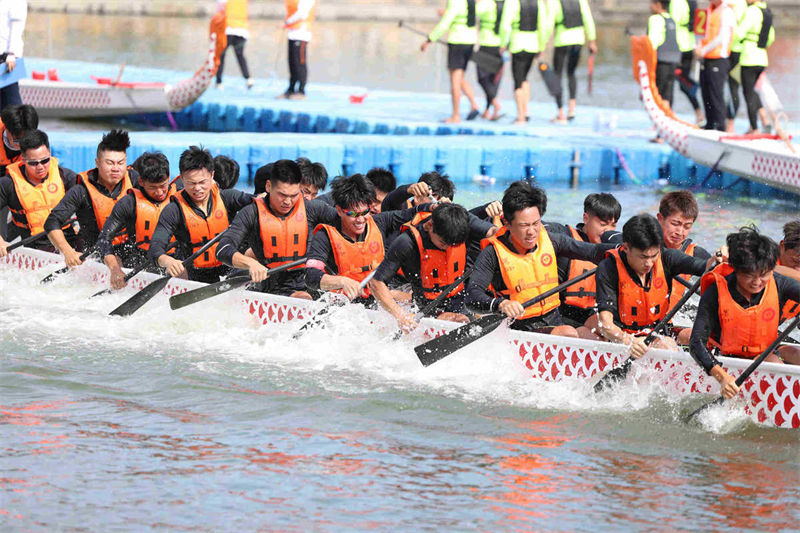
pixel 519 262
pixel 93 197
pixel 299 20
pixel 33 186
pixel 682 12
pixel 756 33
pixel 715 50
pixel 237 31
pixel 662 32
pixel 739 7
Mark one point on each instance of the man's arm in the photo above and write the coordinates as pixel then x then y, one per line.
pixel 566 246
pixel 243 228
pixel 319 212
pixel 235 201
pixel 677 262
pixel 122 215
pixel 706 321
pixel 74 199
pixel 168 222
pixel 400 252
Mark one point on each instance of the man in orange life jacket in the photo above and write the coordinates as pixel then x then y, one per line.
pixel 93 197
pixel 739 311
pixel 789 264
pixel 601 211
pixel 32 188
pixel 633 284
pixel 382 180
pixel 195 215
pixel 520 262
pixel 17 120
pixel 342 254
pixel 430 185
pixel 137 213
pixel 277 229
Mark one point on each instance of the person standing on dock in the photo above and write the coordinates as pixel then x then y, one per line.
pixel 739 7
pixel 13 14
pixel 715 50
pixel 573 26
pixel 237 32
pixel 524 28
pixel 662 32
pixel 299 18
pixel 490 12
pixel 756 33
pixel 682 12
pixel 460 21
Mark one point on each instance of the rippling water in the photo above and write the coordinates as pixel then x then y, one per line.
pixel 201 420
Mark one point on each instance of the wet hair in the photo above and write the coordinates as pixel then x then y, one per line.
pixel 682 202
pixel 602 205
pixel 313 173
pixel 521 195
pixel 450 223
pixel 226 172
pixel 382 179
pixel 153 167
pixel 349 192
pixel 261 178
pixel 750 251
pixel 114 141
pixel 19 119
pixel 285 171
pixel 440 184
pixel 34 139
pixel 791 234
pixel 196 158
pixel 642 232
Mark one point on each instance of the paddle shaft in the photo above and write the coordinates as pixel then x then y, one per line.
pixel 320 316
pixel 35 237
pixel 433 304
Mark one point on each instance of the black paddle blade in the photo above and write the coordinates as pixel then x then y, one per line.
pixel 614 376
pixel 702 408
pixel 198 295
pixel 101 293
pixel 551 80
pixel 132 304
pixel 55 274
pixel 442 346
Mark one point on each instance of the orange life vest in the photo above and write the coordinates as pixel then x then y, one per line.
pixel 640 308
pixel 147 213
pixel 4 159
pixel 203 229
pixel 713 29
pixel 583 293
pixel 743 332
pixel 791 308
pixel 36 201
pixel 439 268
pixel 355 260
pixel 236 14
pixel 678 288
pixel 102 204
pixel 291 9
pixel 527 275
pixel 284 240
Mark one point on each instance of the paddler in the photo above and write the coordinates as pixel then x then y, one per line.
pixel 315 178
pixel 343 254
pixel 277 229
pixel 430 185
pixel 384 182
pixel 573 26
pixel 682 12
pixel 17 120
pixel 137 213
pixel 715 50
pixel 93 197
pixel 524 30
pixel 520 262
pixel 756 33
pixel 739 311
pixel 194 216
pixel 460 21
pixel 789 263
pixel 633 285
pixel 662 32
pixel 33 186
pixel 490 12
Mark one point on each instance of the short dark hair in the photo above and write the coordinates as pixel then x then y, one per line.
pixel 153 167
pixel 285 171
pixel 261 178
pixel 642 232
pixel 196 158
pixel 522 195
pixel 226 172
pixel 602 205
pixel 682 202
pixel 750 251
pixel 114 141
pixel 19 119
pixel 313 173
pixel 349 192
pixel 450 223
pixel 791 234
pixel 440 184
pixel 382 179
pixel 34 139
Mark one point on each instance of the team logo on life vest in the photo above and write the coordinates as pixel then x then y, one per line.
pixel 768 315
pixel 52 187
pixel 658 283
pixel 374 247
pixel 218 213
pixel 547 260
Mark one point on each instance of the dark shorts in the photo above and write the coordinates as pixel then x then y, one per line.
pixel 520 66
pixel 539 324
pixel 575 316
pixel 458 56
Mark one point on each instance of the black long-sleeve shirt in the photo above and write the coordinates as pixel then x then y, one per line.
pixel 171 222
pixel 707 324
pixel 487 267
pixel 77 201
pixel 396 199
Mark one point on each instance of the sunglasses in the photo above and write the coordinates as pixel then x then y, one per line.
pixel 34 163
pixel 356 214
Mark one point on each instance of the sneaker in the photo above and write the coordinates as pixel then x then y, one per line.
pixel 250 83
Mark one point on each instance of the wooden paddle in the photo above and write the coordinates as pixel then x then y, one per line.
pixel 750 369
pixel 483 60
pixel 319 317
pixel 177 301
pixel 133 272
pixel 442 346
pixel 132 304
